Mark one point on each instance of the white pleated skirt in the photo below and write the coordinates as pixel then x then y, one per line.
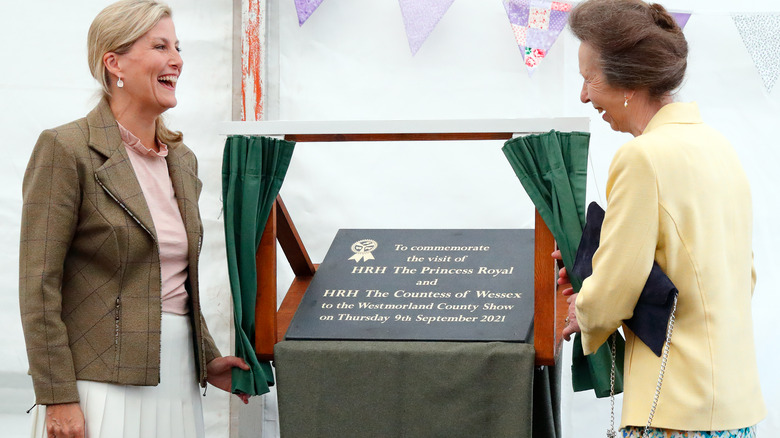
pixel 172 409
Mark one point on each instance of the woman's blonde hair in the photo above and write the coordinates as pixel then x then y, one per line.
pixel 115 29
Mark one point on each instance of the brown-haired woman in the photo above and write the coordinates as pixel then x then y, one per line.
pixel 109 250
pixel 677 195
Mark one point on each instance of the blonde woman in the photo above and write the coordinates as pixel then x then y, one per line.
pixel 110 239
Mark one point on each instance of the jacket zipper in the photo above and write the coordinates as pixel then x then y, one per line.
pixel 118 299
pixel 124 208
pixel 202 354
pixel 117 312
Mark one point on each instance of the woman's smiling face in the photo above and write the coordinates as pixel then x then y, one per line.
pixel 607 100
pixel 151 68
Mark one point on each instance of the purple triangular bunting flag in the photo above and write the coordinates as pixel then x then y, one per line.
pixel 536 25
pixel 420 18
pixel 681 18
pixel 305 8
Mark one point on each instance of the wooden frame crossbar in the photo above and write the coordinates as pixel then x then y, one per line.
pixel 550 308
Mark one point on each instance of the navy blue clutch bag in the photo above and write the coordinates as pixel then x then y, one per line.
pixel 656 301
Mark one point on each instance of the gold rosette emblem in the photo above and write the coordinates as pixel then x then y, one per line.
pixel 363 249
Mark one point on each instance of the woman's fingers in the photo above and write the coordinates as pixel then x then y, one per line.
pixel 64 421
pixel 563 277
pixel 237 362
pixel 570 329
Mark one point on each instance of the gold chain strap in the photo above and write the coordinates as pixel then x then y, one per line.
pixel 611 430
pixel 664 359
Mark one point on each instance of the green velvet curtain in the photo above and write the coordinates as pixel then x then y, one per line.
pixel 253 169
pixel 553 168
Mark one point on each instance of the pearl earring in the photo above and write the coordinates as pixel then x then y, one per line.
pixel 625 104
pixel 120 83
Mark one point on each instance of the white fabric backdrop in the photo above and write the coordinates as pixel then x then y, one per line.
pixel 351 61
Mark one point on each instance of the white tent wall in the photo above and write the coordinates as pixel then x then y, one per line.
pixel 351 61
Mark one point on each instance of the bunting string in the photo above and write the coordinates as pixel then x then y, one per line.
pixel 536 25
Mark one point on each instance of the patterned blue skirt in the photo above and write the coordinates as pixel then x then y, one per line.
pixel 636 432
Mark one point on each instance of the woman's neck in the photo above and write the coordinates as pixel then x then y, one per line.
pixel 646 110
pixel 141 123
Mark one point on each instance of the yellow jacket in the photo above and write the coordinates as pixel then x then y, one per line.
pixel 678 195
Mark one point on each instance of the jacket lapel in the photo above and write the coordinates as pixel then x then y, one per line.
pixel 116 175
pixel 186 187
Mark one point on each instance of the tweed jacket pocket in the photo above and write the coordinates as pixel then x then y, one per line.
pixel 96 249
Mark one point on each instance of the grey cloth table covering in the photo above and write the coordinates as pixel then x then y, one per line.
pixel 414 389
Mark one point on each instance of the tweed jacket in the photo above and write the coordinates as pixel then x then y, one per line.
pixel 89 271
pixel 678 195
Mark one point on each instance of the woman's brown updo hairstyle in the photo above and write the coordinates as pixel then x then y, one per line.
pixel 641 46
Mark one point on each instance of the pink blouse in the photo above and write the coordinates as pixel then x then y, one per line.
pixel 151 170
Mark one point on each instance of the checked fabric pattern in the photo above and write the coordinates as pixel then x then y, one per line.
pixel 89 269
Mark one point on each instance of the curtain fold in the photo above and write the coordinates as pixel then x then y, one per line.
pixel 553 168
pixel 253 169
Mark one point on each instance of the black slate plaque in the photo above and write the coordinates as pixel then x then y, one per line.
pixel 449 285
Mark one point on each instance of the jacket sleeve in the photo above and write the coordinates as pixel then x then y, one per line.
pixel 51 198
pixel 626 250
pixel 210 349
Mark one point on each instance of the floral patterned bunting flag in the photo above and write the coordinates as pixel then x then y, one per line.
pixel 536 25
pixel 305 8
pixel 420 17
pixel 761 35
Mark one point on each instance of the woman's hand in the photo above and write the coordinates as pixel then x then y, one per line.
pixel 563 276
pixel 220 371
pixel 571 317
pixel 64 421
